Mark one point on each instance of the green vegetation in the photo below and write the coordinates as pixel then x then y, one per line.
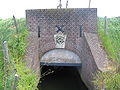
pixel 17 47
pixel 110 40
pixel 1 70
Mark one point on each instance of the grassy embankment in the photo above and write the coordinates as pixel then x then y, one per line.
pixel 28 81
pixel 17 48
pixel 110 40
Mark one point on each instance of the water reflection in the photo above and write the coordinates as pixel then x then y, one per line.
pixel 63 78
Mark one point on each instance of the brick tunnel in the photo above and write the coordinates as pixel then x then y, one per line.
pixel 59 68
pixel 65 37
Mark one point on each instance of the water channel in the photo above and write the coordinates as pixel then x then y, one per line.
pixel 63 78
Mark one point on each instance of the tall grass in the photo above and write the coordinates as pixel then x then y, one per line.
pixel 17 47
pixel 1 70
pixel 5 33
pixel 110 40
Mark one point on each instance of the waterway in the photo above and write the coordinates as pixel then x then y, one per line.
pixel 63 78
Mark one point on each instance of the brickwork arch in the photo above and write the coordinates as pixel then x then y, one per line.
pixel 60 57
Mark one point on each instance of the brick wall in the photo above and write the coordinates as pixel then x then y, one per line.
pixel 47 19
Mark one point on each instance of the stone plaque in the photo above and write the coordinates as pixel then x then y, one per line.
pixel 60 39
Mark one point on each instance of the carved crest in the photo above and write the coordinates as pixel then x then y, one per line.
pixel 60 39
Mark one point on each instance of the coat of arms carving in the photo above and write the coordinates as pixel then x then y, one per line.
pixel 60 39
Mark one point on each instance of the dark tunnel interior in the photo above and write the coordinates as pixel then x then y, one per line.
pixel 60 78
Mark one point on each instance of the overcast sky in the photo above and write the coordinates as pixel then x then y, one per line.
pixel 110 8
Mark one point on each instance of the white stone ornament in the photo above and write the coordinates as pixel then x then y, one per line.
pixel 60 39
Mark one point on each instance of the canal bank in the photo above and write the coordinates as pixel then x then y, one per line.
pixel 63 78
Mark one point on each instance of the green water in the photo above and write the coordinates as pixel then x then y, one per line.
pixel 64 78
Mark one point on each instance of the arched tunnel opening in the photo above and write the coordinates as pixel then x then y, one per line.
pixel 61 78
